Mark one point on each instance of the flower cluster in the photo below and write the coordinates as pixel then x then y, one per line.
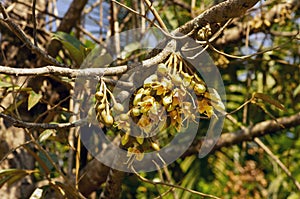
pixel 168 100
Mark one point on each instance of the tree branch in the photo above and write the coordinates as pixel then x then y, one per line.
pixel 47 70
pixel 95 172
pixel 180 3
pixel 237 32
pixel 21 124
pixel 248 134
pixel 24 38
pixel 217 14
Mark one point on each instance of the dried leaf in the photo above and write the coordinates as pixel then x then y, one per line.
pixel 46 134
pixel 268 99
pixel 33 99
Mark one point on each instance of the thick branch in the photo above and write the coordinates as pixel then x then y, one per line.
pixel 248 134
pixel 113 185
pixel 238 32
pixel 217 14
pixel 95 172
pixel 93 175
pixel 62 71
pixel 258 130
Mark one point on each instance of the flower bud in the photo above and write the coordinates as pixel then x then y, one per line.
pixel 124 117
pixel 155 146
pixel 100 107
pixel 107 118
pixel 137 98
pixel 150 80
pixel 162 69
pixel 99 95
pixel 176 79
pixel 135 112
pixel 167 100
pixel 199 89
pixel 118 107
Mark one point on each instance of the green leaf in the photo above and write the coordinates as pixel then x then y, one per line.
pixel 3 180
pixel 46 134
pixel 11 176
pixel 33 99
pixel 47 163
pixel 98 58
pixel 76 49
pixel 15 178
pixel 296 91
pixel 268 99
pixel 102 61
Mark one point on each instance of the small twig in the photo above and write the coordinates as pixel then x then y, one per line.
pixel 193 5
pixel 14 149
pixel 22 36
pixel 137 13
pixel 89 34
pixel 34 22
pixel 172 185
pixel 3 11
pixel 169 180
pixel 278 161
pixel 115 29
pixel 156 15
pixel 46 153
pixel 268 151
pixel 180 4
pixel 251 55
pixel 44 12
pixel 52 108
pixel 165 32
pixel 21 124
pixel 90 9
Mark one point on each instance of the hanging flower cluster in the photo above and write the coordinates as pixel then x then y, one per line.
pixel 168 100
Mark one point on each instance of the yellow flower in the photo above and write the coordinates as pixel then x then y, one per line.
pixel 175 119
pixel 205 108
